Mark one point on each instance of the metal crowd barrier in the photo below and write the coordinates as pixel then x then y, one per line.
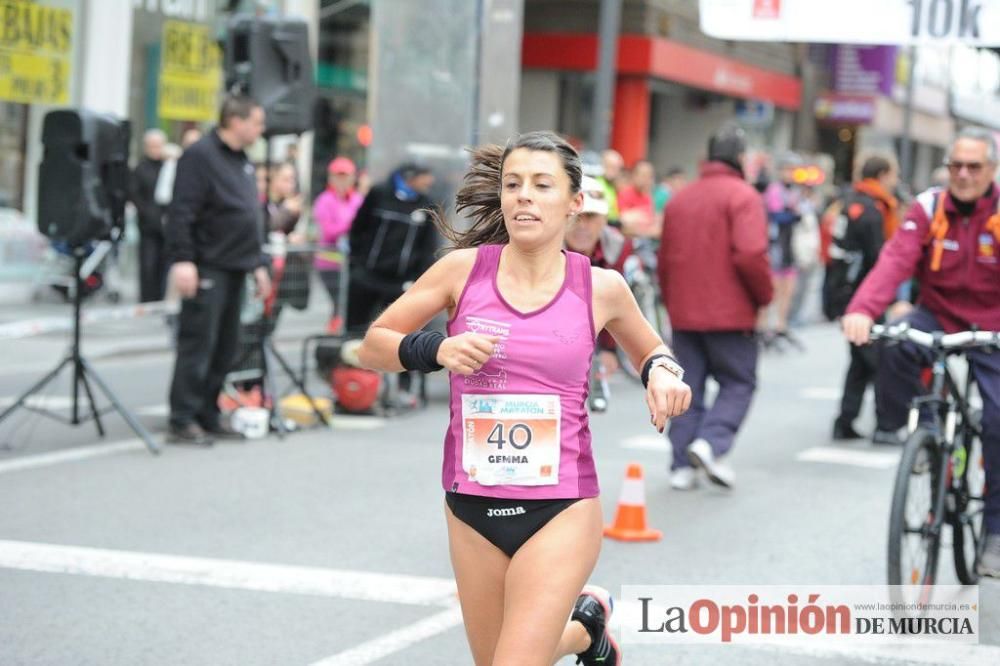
pixel 259 362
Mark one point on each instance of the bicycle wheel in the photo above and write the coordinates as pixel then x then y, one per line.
pixel 914 530
pixel 967 521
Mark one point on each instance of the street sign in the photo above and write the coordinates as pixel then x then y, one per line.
pixel 36 43
pixel 190 72
pixel 971 22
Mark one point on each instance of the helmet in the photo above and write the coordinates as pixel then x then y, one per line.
pixel 356 389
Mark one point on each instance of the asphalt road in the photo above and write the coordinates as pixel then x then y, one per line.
pixel 330 547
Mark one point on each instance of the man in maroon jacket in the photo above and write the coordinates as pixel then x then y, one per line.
pixel 714 276
pixel 949 242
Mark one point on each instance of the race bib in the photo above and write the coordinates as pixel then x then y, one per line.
pixel 511 439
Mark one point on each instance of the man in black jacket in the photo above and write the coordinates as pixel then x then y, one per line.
pixel 214 238
pixel 152 259
pixel 867 220
pixel 393 241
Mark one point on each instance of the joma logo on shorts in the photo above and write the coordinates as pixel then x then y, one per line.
pixel 503 513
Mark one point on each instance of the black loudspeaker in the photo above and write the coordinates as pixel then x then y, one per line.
pixel 268 59
pixel 83 176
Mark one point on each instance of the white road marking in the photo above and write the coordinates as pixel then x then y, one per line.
pixel 70 455
pixel 395 641
pixel 339 422
pixel 160 411
pixel 358 422
pixel 232 574
pixel 51 402
pixel 646 442
pixel 858 458
pixel 821 393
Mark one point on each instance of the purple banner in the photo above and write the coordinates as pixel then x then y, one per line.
pixel 869 70
pixel 845 109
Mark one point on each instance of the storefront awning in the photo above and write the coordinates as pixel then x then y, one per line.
pixel 659 58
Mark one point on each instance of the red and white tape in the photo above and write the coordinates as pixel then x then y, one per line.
pixel 32 327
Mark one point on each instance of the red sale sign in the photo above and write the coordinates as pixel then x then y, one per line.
pixel 766 9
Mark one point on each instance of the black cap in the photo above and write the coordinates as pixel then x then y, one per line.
pixel 410 170
pixel 727 145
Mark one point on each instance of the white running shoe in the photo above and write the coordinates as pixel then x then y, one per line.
pixel 684 478
pixel 700 454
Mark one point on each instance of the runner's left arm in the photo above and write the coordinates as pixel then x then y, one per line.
pixel 616 310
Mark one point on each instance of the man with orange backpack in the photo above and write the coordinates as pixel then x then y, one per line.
pixel 949 241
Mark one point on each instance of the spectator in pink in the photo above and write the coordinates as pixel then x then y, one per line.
pixel 334 211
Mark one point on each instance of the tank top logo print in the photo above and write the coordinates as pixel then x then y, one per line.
pixel 493 374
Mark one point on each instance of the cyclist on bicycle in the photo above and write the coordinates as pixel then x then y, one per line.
pixel 606 247
pixel 949 241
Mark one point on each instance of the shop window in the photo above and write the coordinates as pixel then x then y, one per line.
pixel 576 105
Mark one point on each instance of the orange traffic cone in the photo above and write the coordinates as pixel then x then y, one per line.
pixel 630 518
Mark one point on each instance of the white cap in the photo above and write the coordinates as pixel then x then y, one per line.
pixel 594 198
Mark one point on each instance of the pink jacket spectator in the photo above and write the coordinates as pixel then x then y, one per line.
pixel 334 215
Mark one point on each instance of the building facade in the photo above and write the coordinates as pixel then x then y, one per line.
pixel 674 86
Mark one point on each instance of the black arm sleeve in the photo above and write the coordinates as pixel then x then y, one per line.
pixel 429 243
pixel 870 236
pixel 360 236
pixel 142 194
pixel 191 190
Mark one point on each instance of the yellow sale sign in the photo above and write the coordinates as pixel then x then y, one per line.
pixel 190 72
pixel 36 45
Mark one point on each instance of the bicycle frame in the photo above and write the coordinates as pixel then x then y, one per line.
pixel 947 403
pixel 948 432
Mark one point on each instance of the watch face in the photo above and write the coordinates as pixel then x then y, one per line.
pixel 670 366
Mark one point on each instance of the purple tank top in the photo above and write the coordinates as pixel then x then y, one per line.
pixel 519 426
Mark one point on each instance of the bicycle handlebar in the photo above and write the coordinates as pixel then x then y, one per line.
pixel 938 340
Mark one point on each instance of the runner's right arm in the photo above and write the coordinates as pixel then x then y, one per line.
pixel 436 290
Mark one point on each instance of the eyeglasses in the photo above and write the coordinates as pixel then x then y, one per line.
pixel 955 168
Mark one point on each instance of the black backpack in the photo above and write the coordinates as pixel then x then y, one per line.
pixel 843 272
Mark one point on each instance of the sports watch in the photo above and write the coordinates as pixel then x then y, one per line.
pixel 662 361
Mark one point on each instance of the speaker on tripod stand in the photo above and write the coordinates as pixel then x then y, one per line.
pixel 83 176
pixel 268 59
pixel 82 190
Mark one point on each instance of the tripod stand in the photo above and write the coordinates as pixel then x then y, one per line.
pixel 83 372
pixel 263 353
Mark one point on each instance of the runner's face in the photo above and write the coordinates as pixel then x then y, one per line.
pixel 535 196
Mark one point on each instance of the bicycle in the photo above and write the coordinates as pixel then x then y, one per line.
pixel 642 283
pixel 941 479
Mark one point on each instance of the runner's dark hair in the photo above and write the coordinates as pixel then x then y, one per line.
pixel 479 197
